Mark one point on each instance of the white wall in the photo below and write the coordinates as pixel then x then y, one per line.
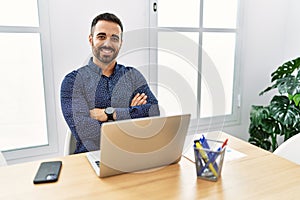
pixel 292 32
pixel 270 38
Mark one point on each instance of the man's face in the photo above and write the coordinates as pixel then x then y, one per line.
pixel 106 41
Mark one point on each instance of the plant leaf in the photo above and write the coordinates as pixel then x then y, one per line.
pixel 259 138
pixel 271 126
pixel 289 132
pixel 282 72
pixel 258 113
pixel 296 99
pixel 268 89
pixel 285 69
pixel 282 110
pixel 284 84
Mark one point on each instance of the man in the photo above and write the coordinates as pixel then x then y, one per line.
pixel 104 90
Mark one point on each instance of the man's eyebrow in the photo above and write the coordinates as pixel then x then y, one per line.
pixel 101 33
pixel 104 34
pixel 115 35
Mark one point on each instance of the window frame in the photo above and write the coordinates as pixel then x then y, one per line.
pixel 50 105
pixel 209 123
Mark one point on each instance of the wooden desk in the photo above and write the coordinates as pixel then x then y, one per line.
pixel 259 175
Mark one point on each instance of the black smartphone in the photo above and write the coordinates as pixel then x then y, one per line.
pixel 48 172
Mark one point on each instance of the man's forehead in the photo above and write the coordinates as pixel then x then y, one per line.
pixel 107 27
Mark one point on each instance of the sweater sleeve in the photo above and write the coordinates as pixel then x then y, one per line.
pixel 140 85
pixel 76 113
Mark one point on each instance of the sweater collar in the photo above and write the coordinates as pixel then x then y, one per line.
pixel 98 70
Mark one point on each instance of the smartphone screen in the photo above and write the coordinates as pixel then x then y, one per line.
pixel 48 172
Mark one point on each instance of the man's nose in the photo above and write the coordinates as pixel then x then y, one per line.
pixel 107 41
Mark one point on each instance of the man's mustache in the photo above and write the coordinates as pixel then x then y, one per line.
pixel 106 48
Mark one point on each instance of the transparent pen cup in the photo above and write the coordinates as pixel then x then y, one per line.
pixel 209 162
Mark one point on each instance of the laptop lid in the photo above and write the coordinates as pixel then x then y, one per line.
pixel 144 143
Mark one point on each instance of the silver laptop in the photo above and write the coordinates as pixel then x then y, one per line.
pixel 139 144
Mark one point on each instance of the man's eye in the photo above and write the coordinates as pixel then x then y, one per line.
pixel 102 37
pixel 115 39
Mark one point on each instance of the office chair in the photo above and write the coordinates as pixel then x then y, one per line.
pixel 289 149
pixel 70 143
pixel 2 160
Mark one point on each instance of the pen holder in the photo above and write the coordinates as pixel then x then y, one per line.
pixel 209 162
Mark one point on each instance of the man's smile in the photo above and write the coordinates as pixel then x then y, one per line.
pixel 106 50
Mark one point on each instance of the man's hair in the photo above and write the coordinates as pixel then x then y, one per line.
pixel 106 17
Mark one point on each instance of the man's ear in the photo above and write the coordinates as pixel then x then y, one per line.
pixel 91 39
pixel 121 44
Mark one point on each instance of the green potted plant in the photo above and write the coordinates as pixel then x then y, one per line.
pixel 282 116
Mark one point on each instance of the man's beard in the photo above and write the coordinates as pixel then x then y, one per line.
pixel 104 59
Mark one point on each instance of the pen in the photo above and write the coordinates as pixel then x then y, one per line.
pixel 204 156
pixel 199 164
pixel 224 143
pixel 211 155
pixel 204 142
pixel 214 156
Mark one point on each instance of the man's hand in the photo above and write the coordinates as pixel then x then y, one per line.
pixel 98 114
pixel 139 99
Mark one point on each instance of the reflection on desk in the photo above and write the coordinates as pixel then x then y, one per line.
pixel 259 175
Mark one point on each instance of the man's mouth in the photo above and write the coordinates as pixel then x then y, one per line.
pixel 107 50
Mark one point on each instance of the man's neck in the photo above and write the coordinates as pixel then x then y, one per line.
pixel 107 69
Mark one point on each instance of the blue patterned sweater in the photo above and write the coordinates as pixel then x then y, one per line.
pixel 86 88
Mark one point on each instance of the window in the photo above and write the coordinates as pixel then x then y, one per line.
pixel 27 104
pixel 197 60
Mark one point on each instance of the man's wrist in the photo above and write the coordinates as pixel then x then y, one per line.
pixel 110 113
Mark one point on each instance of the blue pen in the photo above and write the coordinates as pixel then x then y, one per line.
pixel 205 159
pixel 211 155
pixel 215 156
pixel 212 160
